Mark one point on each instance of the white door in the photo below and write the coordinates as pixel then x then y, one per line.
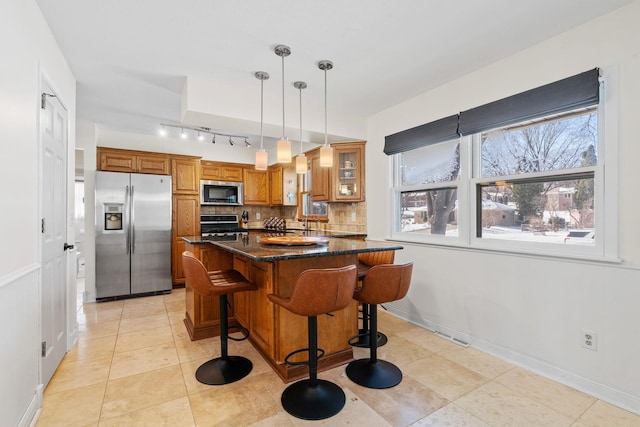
pixel 53 134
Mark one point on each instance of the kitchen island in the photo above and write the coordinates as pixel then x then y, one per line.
pixel 273 331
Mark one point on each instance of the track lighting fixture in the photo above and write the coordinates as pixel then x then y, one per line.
pixel 201 132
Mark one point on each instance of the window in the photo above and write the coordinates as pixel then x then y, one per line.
pixel 534 184
pixel 429 195
pixel 535 169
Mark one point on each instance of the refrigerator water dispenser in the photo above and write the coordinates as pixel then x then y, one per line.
pixel 113 216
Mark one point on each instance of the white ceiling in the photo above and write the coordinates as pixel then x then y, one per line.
pixel 131 58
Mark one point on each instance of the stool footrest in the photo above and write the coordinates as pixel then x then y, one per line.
pixel 245 333
pixel 302 350
pixel 362 339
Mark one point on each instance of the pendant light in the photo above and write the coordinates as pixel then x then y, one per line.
pixel 262 156
pixel 301 160
pixel 326 152
pixel 283 146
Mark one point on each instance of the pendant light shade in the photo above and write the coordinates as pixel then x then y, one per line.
pixel 326 152
pixel 283 151
pixel 262 157
pixel 301 163
pixel 301 160
pixel 326 156
pixel 283 146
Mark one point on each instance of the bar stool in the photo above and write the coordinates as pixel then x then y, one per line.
pixel 366 260
pixel 383 283
pixel 224 369
pixel 316 291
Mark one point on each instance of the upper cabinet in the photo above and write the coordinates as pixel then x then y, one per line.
pixel 284 185
pixel 256 187
pixel 320 178
pixel 348 172
pixel 185 173
pixel 117 160
pixel 218 171
pixel 344 181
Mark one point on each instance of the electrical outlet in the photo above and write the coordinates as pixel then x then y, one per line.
pixel 257 215
pixel 590 340
pixel 353 217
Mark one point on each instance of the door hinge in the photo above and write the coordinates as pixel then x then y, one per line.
pixel 43 99
pixel 44 348
pixel 42 225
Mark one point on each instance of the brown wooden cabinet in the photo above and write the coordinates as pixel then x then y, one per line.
pixel 256 187
pixel 185 172
pixel 117 160
pixel 186 222
pixel 218 171
pixel 347 180
pixel 284 185
pixel 320 178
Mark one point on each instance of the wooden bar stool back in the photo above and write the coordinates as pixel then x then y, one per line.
pixel 383 283
pixel 316 292
pixel 224 369
pixel 366 260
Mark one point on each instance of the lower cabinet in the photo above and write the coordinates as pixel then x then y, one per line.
pixel 262 320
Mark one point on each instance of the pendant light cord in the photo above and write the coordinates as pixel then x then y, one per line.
pixel 325 106
pixel 283 97
pixel 300 119
pixel 261 113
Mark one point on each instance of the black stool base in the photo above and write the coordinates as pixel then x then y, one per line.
pixel 223 371
pixel 302 400
pixel 362 339
pixel 379 374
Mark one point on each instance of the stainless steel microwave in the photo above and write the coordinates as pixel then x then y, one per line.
pixel 221 193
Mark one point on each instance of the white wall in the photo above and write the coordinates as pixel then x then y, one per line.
pixel 28 52
pixel 531 310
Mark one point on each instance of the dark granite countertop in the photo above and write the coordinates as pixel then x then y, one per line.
pixel 251 247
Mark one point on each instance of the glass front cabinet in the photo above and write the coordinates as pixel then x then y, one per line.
pixel 348 172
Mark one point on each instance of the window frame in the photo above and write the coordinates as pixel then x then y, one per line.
pixel 605 188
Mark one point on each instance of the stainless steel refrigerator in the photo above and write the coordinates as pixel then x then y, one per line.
pixel 133 234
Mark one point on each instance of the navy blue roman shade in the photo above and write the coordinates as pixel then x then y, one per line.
pixel 441 130
pixel 579 91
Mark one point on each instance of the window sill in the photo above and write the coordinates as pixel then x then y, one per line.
pixel 549 253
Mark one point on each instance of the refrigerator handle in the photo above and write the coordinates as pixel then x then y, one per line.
pixel 126 217
pixel 133 224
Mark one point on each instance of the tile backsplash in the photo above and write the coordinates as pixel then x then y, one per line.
pixel 350 217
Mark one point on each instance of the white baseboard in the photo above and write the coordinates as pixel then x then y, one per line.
pixel 31 415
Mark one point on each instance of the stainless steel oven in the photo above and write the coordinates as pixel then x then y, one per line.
pixel 221 227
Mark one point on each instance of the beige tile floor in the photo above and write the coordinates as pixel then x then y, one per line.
pixel 134 366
